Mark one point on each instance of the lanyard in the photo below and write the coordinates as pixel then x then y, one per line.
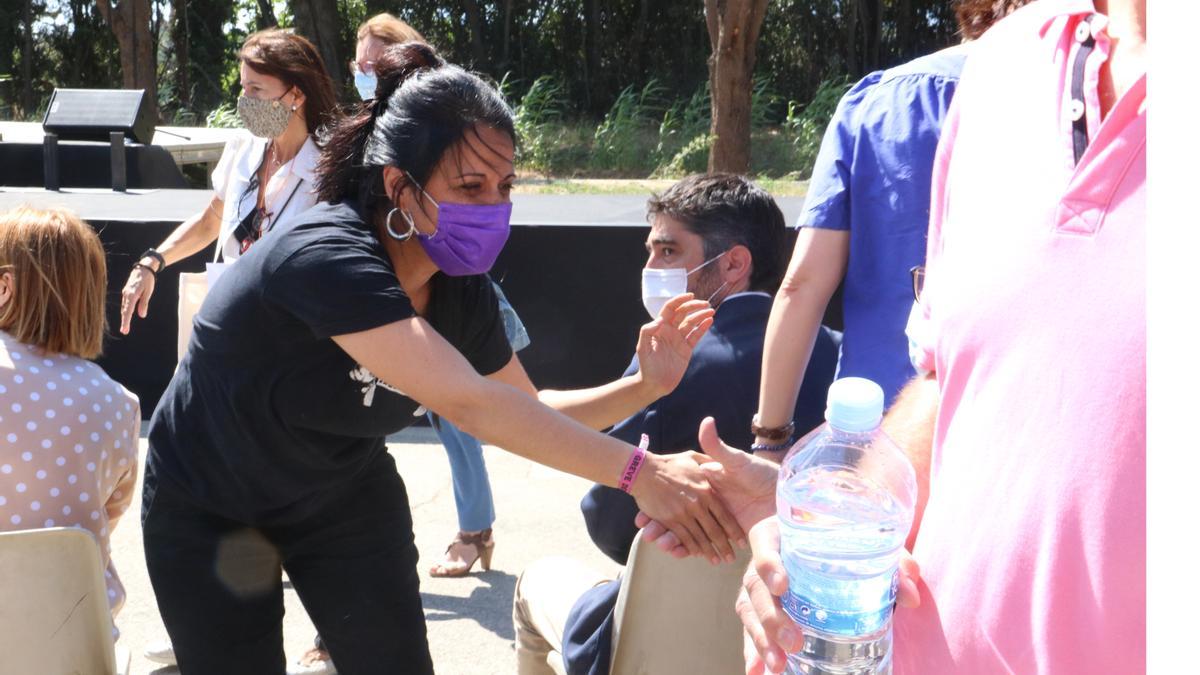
pixel 250 225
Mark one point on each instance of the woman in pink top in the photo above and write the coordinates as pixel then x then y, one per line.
pixel 68 432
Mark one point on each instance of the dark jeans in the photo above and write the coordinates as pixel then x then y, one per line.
pixel 353 564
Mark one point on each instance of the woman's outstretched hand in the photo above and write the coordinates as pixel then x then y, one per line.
pixel 665 345
pixel 674 491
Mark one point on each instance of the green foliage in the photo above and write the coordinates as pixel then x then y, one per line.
pixel 641 136
pixel 615 145
pixel 764 103
pixel 691 158
pixel 71 47
pixel 806 124
pixel 213 40
pixel 607 87
pixel 537 119
pixel 644 135
pixel 683 123
pixel 223 116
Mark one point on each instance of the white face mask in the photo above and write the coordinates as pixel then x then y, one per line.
pixel 365 84
pixel 660 285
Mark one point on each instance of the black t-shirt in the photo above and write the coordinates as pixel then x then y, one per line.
pixel 266 416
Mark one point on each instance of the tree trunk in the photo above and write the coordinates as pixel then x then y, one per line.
pixel 639 35
pixel 156 21
pixel 505 59
pixel 319 21
pixel 266 15
pixel 872 25
pixel 733 28
pixel 179 38
pixel 591 45
pixel 74 61
pixel 904 29
pixel 130 23
pixel 475 26
pixel 850 16
pixel 27 102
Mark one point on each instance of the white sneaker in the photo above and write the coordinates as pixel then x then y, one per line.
pixel 161 651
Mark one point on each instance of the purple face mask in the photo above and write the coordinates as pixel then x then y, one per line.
pixel 468 238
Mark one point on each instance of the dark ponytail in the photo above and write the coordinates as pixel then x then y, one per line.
pixel 423 106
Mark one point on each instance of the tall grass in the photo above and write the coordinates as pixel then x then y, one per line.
pixel 683 135
pixel 806 124
pixel 645 135
pixel 617 143
pixel 537 120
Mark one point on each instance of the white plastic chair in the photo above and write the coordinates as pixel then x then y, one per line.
pixel 54 615
pixel 676 616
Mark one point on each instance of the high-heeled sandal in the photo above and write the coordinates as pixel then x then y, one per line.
pixel 483 544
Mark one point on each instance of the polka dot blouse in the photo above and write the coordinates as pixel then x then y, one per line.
pixel 68 447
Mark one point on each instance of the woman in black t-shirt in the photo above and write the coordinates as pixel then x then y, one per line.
pixel 268 448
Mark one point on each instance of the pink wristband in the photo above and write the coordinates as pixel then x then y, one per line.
pixel 634 466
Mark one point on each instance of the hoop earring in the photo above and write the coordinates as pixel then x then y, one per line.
pixel 408 220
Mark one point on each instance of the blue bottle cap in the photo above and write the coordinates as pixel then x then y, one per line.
pixel 854 404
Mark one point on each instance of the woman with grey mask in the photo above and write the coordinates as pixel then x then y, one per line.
pixel 266 172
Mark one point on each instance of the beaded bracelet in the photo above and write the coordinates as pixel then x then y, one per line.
pixel 634 466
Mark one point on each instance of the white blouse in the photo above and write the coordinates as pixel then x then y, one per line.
pixel 68 447
pixel 290 191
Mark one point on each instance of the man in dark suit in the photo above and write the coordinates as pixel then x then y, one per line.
pixel 722 238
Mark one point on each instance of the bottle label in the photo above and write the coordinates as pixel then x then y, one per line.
pixel 810 613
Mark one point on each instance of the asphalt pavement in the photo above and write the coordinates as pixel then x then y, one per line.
pixel 469 619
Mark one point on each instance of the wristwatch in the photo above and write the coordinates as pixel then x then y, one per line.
pixel 151 253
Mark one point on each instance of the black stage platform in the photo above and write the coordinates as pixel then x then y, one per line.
pixel 571 269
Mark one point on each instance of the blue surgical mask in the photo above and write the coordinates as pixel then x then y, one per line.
pixel 365 84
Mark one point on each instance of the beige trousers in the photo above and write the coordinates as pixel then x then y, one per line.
pixel 543 598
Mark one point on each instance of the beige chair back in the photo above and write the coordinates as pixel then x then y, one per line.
pixel 676 617
pixel 54 614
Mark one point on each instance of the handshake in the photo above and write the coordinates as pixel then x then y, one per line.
pixel 746 485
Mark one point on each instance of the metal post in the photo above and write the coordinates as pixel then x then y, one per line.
pixel 116 140
pixel 50 178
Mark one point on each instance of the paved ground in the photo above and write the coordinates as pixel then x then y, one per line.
pixel 616 209
pixel 469 620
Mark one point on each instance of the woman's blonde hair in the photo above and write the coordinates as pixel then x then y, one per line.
pixel 389 29
pixel 58 281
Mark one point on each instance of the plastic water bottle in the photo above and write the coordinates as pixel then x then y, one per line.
pixel 845 498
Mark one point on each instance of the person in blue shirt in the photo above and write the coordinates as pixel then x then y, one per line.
pixel 721 238
pixel 863 224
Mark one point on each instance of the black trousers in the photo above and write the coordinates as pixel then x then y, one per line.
pixel 353 564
